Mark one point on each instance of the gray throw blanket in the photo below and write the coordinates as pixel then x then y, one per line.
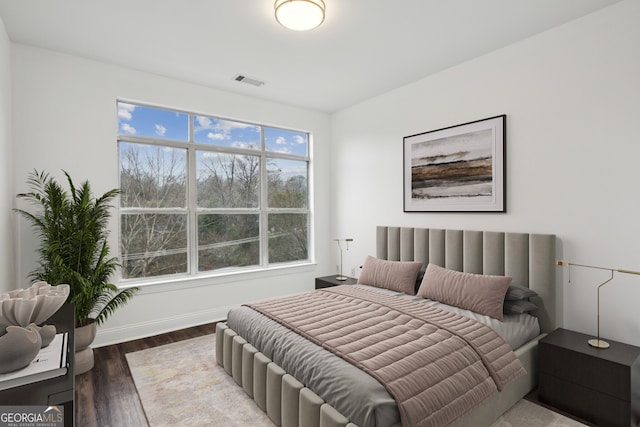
pixel 437 365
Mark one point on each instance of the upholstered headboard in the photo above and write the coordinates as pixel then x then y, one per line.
pixel 528 258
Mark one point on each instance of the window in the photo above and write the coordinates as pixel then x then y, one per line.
pixel 201 194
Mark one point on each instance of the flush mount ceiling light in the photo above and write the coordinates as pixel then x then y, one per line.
pixel 299 15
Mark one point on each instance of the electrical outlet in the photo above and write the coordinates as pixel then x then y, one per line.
pixel 353 272
pixel 337 269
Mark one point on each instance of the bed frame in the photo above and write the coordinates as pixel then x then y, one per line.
pixel 528 258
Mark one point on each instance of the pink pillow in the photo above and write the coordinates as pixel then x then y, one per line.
pixel 395 275
pixel 483 294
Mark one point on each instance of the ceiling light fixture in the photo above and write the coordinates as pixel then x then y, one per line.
pixel 299 15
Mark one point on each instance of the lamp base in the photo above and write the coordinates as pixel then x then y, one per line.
pixel 341 278
pixel 598 343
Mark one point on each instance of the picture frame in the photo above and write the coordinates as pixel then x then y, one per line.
pixel 459 168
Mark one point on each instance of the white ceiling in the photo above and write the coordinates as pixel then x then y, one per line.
pixel 364 47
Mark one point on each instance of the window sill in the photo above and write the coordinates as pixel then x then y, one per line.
pixel 167 284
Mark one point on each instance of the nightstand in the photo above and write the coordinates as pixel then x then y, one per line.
pixel 328 281
pixel 598 385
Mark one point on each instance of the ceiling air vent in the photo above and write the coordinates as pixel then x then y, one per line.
pixel 248 80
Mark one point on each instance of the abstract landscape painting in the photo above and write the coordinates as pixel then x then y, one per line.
pixel 459 168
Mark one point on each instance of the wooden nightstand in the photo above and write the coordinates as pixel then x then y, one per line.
pixel 598 385
pixel 328 281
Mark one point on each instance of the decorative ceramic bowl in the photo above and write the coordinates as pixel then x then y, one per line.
pixel 32 305
pixel 18 347
pixel 47 333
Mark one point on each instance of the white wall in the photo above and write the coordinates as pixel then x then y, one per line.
pixel 572 100
pixel 65 118
pixel 7 275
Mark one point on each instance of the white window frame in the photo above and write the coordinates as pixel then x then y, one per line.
pixel 192 210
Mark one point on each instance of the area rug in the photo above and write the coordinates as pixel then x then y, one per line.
pixel 180 384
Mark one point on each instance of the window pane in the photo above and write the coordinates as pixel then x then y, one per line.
pixel 287 183
pixel 152 176
pixel 227 180
pixel 228 241
pixel 201 201
pixel 153 244
pixel 287 237
pixel 225 133
pixel 286 141
pixel 152 122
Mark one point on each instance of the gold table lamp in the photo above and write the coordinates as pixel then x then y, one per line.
pixel 597 342
pixel 341 277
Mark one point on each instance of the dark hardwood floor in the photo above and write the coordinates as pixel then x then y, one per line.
pixel 106 395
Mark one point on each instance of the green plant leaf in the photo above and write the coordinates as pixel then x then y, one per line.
pixel 72 226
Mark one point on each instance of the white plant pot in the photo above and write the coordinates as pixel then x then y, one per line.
pixel 83 359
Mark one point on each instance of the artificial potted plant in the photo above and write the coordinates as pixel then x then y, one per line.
pixel 72 226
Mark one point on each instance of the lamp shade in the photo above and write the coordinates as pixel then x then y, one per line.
pixel 299 15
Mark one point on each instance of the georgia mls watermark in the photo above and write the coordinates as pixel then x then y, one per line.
pixel 31 416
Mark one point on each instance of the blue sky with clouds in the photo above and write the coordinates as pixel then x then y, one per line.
pixel 152 122
pixel 164 124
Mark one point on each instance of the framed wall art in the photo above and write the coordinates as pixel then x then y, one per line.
pixel 457 169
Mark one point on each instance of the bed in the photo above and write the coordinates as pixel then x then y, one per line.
pixel 266 358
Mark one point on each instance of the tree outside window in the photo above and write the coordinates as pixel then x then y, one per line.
pixel 204 194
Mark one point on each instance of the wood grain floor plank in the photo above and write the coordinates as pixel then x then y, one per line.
pixel 106 395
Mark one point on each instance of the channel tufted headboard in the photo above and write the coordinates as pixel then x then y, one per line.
pixel 528 258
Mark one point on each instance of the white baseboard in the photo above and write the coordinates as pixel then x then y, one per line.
pixel 108 336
